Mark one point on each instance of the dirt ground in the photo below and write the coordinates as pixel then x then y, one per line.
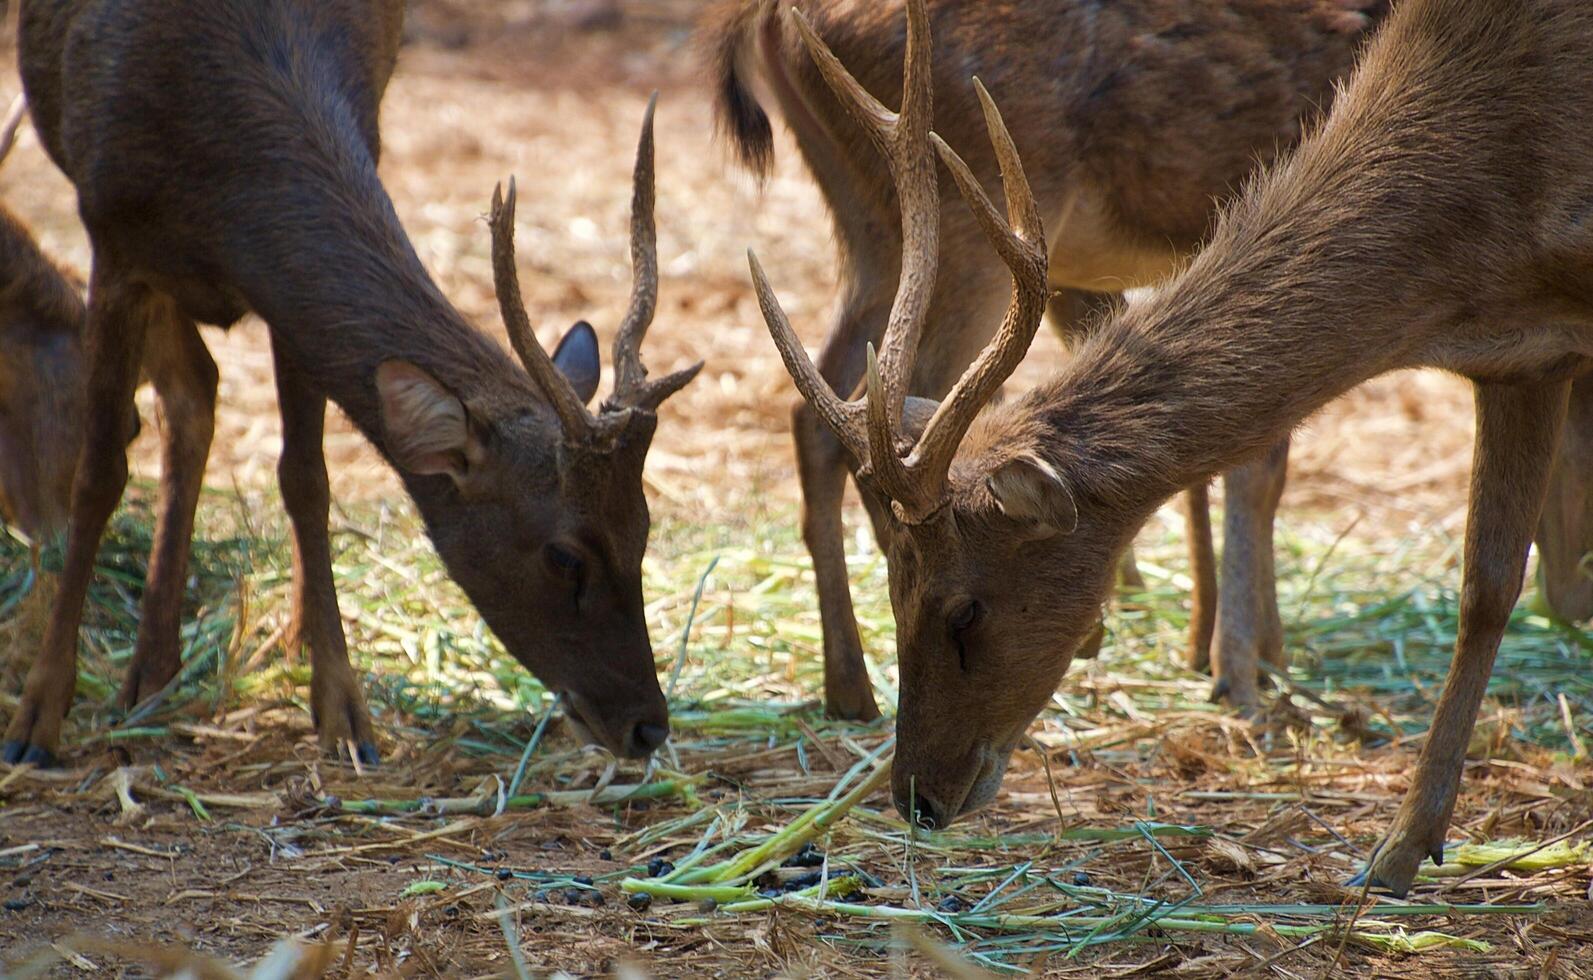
pixel 486 90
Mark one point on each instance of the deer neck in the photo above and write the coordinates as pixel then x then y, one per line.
pixel 1342 264
pixel 318 251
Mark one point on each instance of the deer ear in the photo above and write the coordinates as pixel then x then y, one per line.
pixel 1029 489
pixel 427 427
pixel 577 359
pixel 916 413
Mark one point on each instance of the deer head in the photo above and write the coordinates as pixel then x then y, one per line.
pixel 542 520
pixel 977 515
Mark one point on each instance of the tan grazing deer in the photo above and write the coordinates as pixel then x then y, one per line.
pixel 1095 95
pixel 1438 217
pixel 224 154
pixel 1135 118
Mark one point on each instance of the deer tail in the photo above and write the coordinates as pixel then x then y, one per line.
pixel 731 36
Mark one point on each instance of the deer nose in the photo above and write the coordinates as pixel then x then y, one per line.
pixel 646 737
pixel 923 811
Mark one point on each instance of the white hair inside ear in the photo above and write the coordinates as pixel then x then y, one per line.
pixel 426 426
pixel 1028 488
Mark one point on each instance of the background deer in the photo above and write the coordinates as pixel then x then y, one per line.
pixel 1136 119
pixel 228 164
pixel 41 374
pixel 1434 219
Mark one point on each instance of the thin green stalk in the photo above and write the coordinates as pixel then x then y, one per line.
pixel 803 830
pixel 1011 922
pixel 531 746
pixel 485 805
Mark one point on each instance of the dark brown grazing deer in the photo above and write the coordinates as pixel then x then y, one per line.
pixel 1437 218
pixel 224 154
pixel 41 374
pixel 1136 118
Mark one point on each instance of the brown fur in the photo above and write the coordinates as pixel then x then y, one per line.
pixel 224 153
pixel 41 384
pixel 1438 218
pixel 1091 92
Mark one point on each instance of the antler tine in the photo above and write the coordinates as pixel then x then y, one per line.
pixel 903 138
pixel 883 126
pixel 577 421
pixel 877 121
pixel 8 129
pixel 629 373
pixel 886 468
pixel 1014 237
pixel 1022 246
pixel 840 416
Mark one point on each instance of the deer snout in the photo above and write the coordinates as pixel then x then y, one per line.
pixel 936 795
pixel 922 809
pixel 27 503
pixel 931 796
pixel 631 728
pixel 646 737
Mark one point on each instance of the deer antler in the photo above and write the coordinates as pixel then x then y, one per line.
pixel 632 390
pixel 13 122
pixel 1020 241
pixel 579 424
pixel 871 429
pixel 631 387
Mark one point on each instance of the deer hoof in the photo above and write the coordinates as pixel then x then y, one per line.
pixel 18 753
pixel 851 708
pixel 1244 700
pixel 143 683
pixel 348 750
pixel 342 721
pixel 1393 865
pixel 365 753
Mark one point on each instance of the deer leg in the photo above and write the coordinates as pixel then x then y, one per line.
pixel 1248 629
pixel 1565 532
pixel 1128 573
pixel 823 466
pixel 1518 428
pixel 337 702
pixel 1203 573
pixel 184 376
pixel 114 343
pixel 822 463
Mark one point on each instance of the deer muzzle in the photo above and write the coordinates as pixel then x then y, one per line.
pixel 631 728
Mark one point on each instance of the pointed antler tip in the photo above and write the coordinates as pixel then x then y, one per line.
pixel 875 384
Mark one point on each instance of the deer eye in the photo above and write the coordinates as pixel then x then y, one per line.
pixel 964 616
pixel 564 562
pixel 961 619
